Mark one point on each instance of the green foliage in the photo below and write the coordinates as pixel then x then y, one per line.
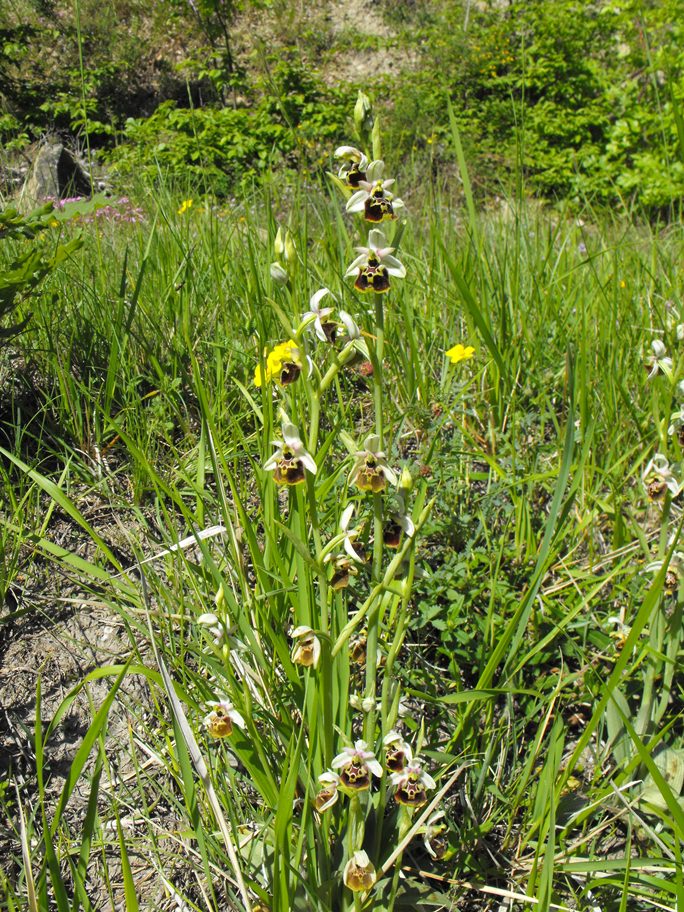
pixel 220 147
pixel 586 97
pixel 42 86
pixel 20 275
pixel 529 573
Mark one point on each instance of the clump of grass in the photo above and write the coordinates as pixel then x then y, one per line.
pixel 511 639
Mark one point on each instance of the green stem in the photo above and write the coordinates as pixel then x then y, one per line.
pixel 314 422
pixel 300 528
pixel 644 721
pixel 374 614
pixel 339 362
pixel 321 623
pixel 377 366
pixel 384 584
pixel 405 819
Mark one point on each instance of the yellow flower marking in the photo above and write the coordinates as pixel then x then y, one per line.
pixel 460 353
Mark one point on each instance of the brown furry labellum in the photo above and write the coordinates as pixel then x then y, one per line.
pixel 372 277
pixel 370 477
pixel 355 175
pixel 377 207
pixel 395 759
pixel 342 572
pixel 355 776
pixel 671 582
pixel 289 372
pixel 439 846
pixel 219 724
pixel 289 470
pixel 357 650
pixel 411 792
pixel 656 489
pixel 391 534
pixel 325 798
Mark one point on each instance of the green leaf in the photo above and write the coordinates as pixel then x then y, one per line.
pixel 96 727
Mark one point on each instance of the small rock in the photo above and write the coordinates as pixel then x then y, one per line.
pixel 56 174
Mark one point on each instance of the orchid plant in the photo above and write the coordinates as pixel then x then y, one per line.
pixel 332 557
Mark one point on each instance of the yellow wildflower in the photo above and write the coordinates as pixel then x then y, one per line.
pixel 184 206
pixel 460 353
pixel 283 364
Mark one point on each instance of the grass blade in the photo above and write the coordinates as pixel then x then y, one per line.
pixel 198 760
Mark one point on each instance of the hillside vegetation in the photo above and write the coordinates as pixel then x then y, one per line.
pixel 342 459
pixel 580 99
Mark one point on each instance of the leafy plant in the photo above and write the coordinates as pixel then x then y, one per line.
pixel 21 275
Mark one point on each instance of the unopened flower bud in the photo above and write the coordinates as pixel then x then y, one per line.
pixel 365 704
pixel 278 244
pixel 278 274
pixel 284 245
pixel 363 113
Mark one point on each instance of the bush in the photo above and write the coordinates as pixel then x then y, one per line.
pixel 217 148
pixel 585 96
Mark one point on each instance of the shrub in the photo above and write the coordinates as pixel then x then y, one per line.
pixel 586 97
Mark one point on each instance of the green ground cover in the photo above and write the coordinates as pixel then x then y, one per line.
pixel 523 638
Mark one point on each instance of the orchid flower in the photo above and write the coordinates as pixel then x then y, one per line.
pixel 356 764
pixel 371 471
pixel 354 164
pixel 658 477
pixel 307 648
pixel 324 328
pixel 375 264
pixel 219 722
pixel 328 794
pixel 359 873
pixel 290 459
pixel 397 752
pixel 373 197
pixel 412 784
pixel 659 362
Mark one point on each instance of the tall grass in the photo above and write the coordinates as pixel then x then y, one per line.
pixel 514 640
